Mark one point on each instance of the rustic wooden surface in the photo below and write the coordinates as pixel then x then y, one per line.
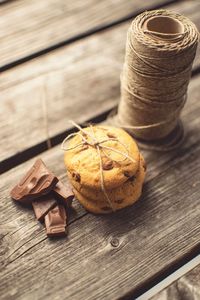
pixel 103 257
pixel 166 219
pixel 44 24
pixel 187 288
pixel 73 78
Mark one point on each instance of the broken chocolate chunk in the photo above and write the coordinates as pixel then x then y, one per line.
pixel 38 181
pixel 64 193
pixel 43 205
pixel 55 221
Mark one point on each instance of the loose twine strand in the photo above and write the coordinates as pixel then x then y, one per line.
pixel 45 116
pixel 90 139
pixel 155 78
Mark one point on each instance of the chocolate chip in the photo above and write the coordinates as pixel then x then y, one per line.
pixel 76 176
pixel 127 174
pixel 106 208
pixel 111 135
pixel 107 165
pixel 132 178
pixel 119 201
pixel 144 166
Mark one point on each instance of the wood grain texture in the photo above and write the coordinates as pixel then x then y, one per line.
pixel 31 26
pixel 187 287
pixel 151 236
pixel 78 82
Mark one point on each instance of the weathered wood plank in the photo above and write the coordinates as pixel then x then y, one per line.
pixel 78 82
pixel 32 26
pixel 160 229
pixel 78 263
pixel 187 287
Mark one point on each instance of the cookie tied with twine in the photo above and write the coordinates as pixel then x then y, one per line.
pixel 160 50
pixel 104 166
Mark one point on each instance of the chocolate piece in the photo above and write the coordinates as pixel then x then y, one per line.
pixel 127 174
pixel 119 201
pixel 55 221
pixel 144 165
pixel 107 165
pixel 38 181
pixel 64 193
pixel 76 176
pixel 111 135
pixel 43 205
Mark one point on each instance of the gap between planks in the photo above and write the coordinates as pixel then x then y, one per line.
pixel 27 154
pixel 97 27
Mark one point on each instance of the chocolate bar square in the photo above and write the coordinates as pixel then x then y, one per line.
pixel 38 181
pixel 55 221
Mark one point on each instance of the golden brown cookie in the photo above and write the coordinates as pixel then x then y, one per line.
pixel 83 162
pixel 113 194
pixel 130 196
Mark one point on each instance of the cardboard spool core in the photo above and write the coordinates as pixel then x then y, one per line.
pixel 164 27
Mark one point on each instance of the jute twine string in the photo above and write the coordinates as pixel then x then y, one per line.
pixel 173 141
pixel 45 115
pixel 89 139
pixel 155 75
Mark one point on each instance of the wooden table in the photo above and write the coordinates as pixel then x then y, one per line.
pixel 71 53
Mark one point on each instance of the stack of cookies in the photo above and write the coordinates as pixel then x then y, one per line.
pixel 122 167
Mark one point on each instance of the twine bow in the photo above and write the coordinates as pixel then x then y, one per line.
pixel 99 145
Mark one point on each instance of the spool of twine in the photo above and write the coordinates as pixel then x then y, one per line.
pixel 160 50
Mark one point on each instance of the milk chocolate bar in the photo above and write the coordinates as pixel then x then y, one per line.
pixel 38 181
pixel 64 193
pixel 43 205
pixel 55 221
